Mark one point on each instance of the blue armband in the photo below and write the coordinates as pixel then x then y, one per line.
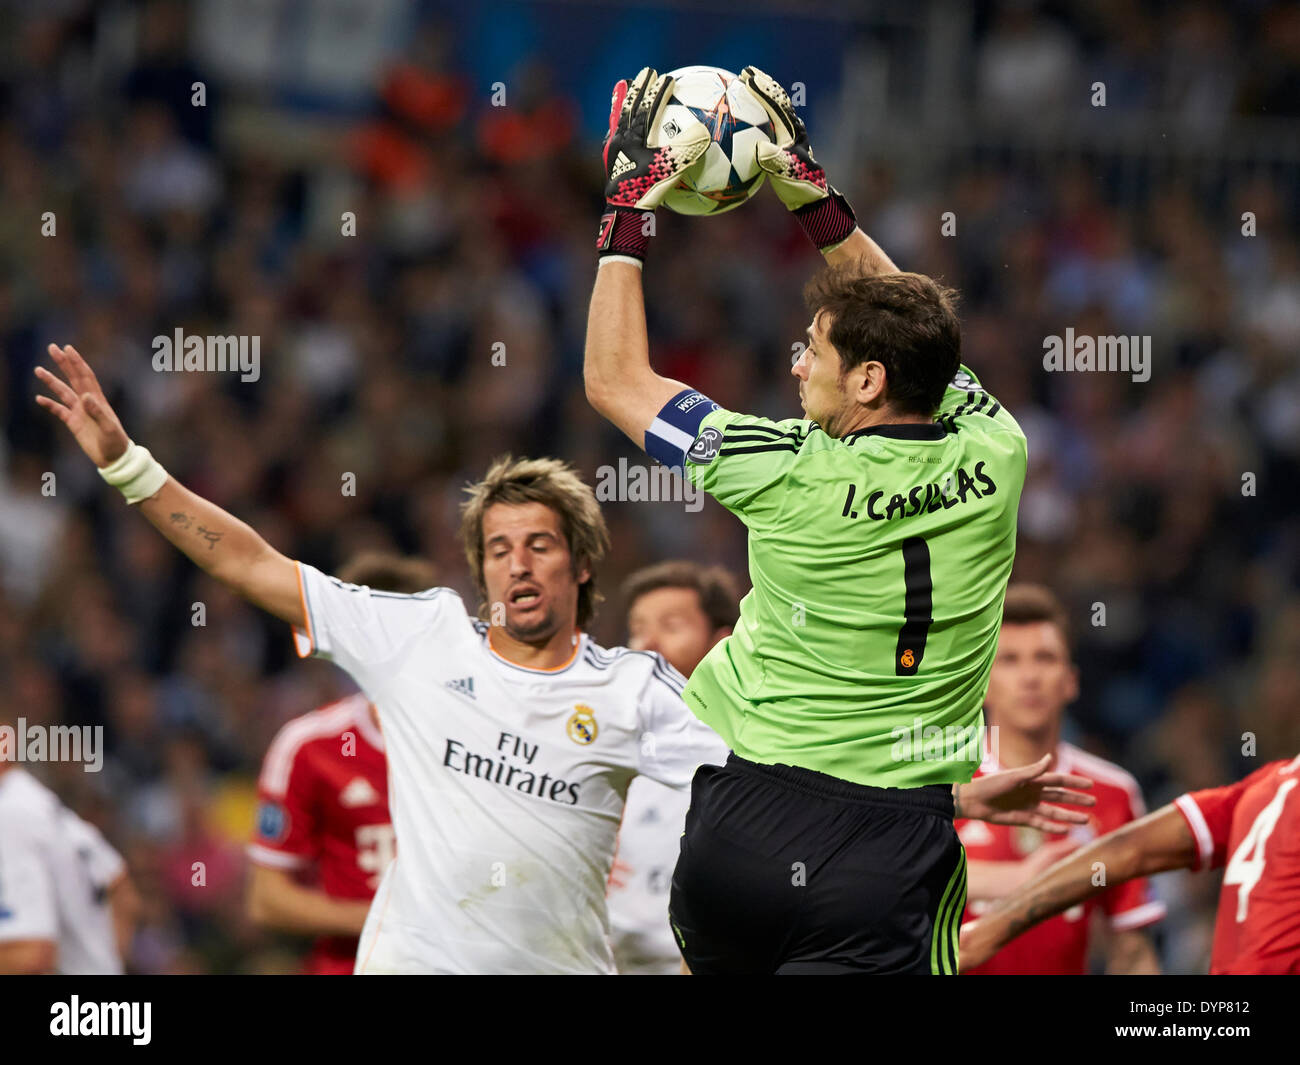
pixel 676 427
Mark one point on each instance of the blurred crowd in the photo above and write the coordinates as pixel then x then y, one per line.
pixel 1162 511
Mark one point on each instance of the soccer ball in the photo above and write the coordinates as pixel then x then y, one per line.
pixel 727 174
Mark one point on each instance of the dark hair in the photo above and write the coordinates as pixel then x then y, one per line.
pixel 389 573
pixel 719 597
pixel 906 322
pixel 1029 603
pixel 554 484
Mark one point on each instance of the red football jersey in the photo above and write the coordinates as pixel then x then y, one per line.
pixel 324 812
pixel 1059 946
pixel 1252 827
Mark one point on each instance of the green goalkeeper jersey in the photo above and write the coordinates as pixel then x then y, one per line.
pixel 879 564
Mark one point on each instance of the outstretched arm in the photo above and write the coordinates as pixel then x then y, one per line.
pixel 1152 844
pixel 217 542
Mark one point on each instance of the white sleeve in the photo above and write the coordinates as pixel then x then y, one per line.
pixel 674 742
pixel 103 864
pixel 359 628
pixel 27 893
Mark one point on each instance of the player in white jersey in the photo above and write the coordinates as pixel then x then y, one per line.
pixel 66 901
pixel 510 743
pixel 679 609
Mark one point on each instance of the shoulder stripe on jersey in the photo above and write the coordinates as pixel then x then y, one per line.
pixel 765 432
pixel 659 677
pixel 480 626
pixel 744 426
pixel 264 855
pixel 971 406
pixel 750 450
pixel 604 657
pixel 677 682
pixel 595 662
pixel 1196 821
pixel 1139 916
pixel 746 438
pixel 278 764
pixel 661 663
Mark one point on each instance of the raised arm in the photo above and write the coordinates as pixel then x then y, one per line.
pixel 621 385
pixel 1152 844
pixel 217 542
pixel 800 183
pixel 640 167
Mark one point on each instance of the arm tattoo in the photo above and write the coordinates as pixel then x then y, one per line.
pixel 1037 909
pixel 184 521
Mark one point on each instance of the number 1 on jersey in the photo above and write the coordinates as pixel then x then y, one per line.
pixel 918 605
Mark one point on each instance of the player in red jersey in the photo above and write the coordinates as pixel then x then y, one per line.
pixel 1032 682
pixel 1252 828
pixel 323 835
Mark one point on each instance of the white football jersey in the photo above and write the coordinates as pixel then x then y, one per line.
pixel 55 874
pixel 506 784
pixel 648 845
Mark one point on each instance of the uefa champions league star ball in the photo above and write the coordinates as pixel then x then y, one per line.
pixel 727 174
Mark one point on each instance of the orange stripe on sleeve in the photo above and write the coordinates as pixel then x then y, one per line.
pixel 306 617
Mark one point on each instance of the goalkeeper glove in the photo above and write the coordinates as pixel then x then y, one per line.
pixel 797 177
pixel 641 164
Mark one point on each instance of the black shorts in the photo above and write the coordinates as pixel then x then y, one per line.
pixel 785 870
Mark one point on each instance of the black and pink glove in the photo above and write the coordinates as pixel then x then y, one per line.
pixel 641 163
pixel 797 177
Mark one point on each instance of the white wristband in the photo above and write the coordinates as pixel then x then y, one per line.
pixel 136 474
pixel 631 260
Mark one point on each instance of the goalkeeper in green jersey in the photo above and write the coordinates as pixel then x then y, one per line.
pixel 882 529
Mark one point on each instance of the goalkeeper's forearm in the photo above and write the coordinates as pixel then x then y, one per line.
pixel 620 383
pixel 860 248
pixel 227 548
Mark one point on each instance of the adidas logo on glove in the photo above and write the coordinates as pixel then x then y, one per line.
pixel 622 164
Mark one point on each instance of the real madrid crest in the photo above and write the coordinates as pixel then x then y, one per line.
pixel 582 727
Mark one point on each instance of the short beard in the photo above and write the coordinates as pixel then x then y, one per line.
pixel 836 416
pixel 538 631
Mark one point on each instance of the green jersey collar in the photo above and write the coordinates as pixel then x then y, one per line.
pixel 900 431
